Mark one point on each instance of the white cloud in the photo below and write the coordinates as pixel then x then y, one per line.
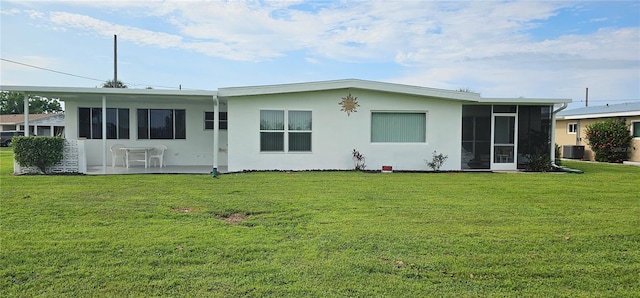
pixel 470 44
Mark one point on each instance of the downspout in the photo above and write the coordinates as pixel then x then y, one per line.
pixel 216 128
pixel 553 134
pixel 553 144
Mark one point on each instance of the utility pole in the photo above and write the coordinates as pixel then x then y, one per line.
pixel 115 61
pixel 586 98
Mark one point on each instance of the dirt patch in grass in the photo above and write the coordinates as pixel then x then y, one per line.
pixel 234 218
pixel 183 210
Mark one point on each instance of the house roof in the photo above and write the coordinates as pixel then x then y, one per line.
pixel 376 86
pixel 74 93
pixel 346 84
pixel 14 119
pixel 615 110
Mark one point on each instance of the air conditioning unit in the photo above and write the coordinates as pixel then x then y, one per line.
pixel 573 151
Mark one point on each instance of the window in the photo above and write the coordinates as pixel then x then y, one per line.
pixel 209 119
pixel 299 131
pixel 635 129
pixel 392 127
pixel 90 123
pixel 275 136
pixel 572 128
pixel 161 124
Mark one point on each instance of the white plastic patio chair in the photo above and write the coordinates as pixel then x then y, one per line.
pixel 158 154
pixel 116 151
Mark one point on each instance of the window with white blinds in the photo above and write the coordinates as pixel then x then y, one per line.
pixel 398 127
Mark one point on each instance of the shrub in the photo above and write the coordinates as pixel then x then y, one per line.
pixel 39 152
pixel 358 160
pixel 436 161
pixel 609 140
pixel 538 163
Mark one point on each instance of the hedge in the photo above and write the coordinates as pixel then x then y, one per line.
pixel 39 152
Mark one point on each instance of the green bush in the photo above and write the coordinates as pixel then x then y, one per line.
pixel 39 152
pixel 610 140
pixel 538 163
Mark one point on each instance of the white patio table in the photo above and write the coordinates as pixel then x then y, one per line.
pixel 134 150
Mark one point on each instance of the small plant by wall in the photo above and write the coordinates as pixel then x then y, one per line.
pixel 610 140
pixel 538 163
pixel 39 152
pixel 437 160
pixel 558 160
pixel 358 160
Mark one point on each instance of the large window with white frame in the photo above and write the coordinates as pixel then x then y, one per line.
pixel 165 124
pixel 90 123
pixel 295 136
pixel 572 128
pixel 635 129
pixel 398 127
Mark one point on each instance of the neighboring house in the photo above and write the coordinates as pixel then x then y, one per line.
pixel 571 125
pixel 41 124
pixel 311 126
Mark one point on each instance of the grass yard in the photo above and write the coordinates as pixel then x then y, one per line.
pixel 322 234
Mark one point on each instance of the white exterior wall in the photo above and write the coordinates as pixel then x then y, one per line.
pixel 335 135
pixel 196 149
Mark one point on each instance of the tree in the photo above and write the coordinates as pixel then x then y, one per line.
pixel 610 140
pixel 114 84
pixel 13 103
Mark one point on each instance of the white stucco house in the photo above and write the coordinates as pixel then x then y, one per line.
pixel 310 126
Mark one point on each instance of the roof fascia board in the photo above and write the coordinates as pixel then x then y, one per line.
pixel 107 91
pixel 600 115
pixel 523 100
pixel 347 84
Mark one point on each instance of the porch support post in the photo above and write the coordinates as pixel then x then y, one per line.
pixel 104 134
pixel 216 130
pixel 26 114
pixel 553 138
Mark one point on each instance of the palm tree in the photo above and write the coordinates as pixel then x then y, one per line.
pixel 114 84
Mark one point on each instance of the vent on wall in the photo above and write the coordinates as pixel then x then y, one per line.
pixel 572 151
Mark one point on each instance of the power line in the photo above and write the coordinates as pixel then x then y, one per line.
pixel 88 78
pixel 51 70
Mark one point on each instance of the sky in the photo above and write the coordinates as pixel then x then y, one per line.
pixel 495 48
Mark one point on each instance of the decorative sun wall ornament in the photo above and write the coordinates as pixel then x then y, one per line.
pixel 349 104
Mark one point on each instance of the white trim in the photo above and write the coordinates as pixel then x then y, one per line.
pixel 600 115
pixel 347 84
pixel 101 91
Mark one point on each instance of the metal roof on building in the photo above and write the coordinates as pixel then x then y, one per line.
pixel 613 110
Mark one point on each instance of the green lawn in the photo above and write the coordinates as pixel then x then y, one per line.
pixel 322 234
